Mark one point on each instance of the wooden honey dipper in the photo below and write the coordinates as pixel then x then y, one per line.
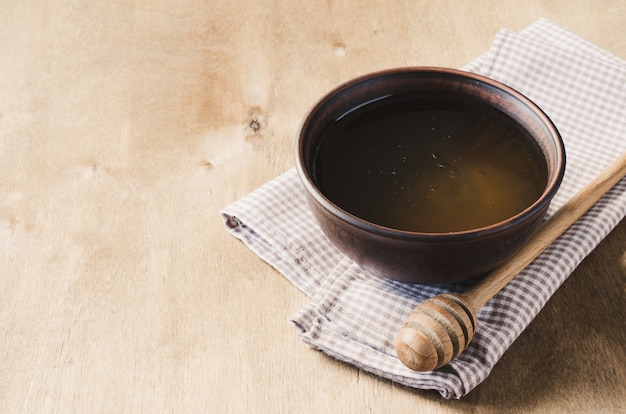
pixel 441 327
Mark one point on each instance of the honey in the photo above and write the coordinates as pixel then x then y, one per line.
pixel 429 164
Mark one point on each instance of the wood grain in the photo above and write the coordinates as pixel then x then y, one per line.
pixel 126 126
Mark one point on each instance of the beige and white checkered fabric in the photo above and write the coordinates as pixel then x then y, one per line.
pixel 354 316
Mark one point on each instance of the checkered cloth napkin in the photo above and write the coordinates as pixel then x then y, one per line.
pixel 354 316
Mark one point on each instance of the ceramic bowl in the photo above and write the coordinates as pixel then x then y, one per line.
pixel 427 257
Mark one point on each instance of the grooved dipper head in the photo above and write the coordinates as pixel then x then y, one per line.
pixel 436 332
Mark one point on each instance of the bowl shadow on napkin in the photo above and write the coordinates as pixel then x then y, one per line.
pixel 579 335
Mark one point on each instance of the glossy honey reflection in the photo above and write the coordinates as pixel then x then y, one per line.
pixel 429 164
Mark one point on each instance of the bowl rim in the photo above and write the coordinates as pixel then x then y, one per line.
pixel 552 186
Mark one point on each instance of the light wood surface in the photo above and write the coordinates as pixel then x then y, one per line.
pixel 125 126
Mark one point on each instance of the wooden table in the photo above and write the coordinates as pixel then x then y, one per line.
pixel 125 126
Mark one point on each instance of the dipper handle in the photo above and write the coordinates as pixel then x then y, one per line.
pixel 441 327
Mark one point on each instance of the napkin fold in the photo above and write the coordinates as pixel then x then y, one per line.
pixel 354 316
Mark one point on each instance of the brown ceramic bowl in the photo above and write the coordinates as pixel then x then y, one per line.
pixel 427 257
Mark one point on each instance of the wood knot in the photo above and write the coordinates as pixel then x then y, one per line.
pixel 207 164
pixel 341 49
pixel 254 124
